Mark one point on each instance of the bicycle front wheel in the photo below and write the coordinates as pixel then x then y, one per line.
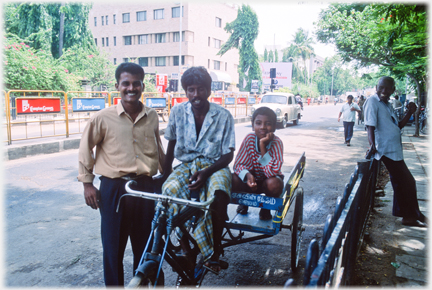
pixel 147 278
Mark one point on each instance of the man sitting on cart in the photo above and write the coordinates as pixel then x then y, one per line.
pixel 201 136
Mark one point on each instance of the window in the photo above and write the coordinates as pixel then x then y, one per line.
pixel 160 37
pixel 95 20
pixel 158 14
pixel 176 12
pixel 106 41
pixel 96 41
pixel 217 64
pixel 176 36
pixel 217 43
pixel 160 61
pixel 143 39
pixel 143 61
pixel 126 59
pixel 106 20
pixel 290 100
pixel 115 41
pixel 226 66
pixel 208 65
pixel 114 19
pixel 209 41
pixel 141 15
pixel 127 40
pixel 176 60
pixel 102 18
pixel 126 17
pixel 218 22
pixel 115 61
pixel 103 41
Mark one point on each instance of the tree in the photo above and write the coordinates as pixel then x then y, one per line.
pixel 391 36
pixel 265 55
pixel 276 57
pixel 271 56
pixel 39 25
pixel 244 31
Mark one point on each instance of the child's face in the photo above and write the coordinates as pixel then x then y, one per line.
pixel 262 126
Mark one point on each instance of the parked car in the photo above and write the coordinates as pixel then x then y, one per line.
pixel 284 105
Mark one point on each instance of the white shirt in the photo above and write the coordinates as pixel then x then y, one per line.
pixel 348 115
pixel 388 139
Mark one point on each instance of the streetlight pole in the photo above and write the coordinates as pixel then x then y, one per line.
pixel 180 45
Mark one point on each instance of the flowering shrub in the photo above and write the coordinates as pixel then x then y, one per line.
pixel 28 69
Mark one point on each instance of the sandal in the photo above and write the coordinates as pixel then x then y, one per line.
pixel 209 264
pixel 242 209
pixel 265 214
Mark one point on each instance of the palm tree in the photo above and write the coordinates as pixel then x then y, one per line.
pixel 300 50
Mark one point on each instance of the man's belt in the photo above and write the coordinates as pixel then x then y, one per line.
pixel 133 176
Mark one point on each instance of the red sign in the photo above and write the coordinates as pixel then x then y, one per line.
pixel 216 101
pixel 161 89
pixel 38 105
pixel 162 80
pixel 116 100
pixel 176 101
pixel 241 100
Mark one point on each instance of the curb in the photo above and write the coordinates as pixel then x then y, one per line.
pixel 41 146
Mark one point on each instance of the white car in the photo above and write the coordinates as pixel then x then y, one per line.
pixel 284 105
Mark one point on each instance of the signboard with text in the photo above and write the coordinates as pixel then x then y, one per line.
pixel 156 103
pixel 229 101
pixel 283 74
pixel 251 100
pixel 38 105
pixel 87 104
pixel 241 100
pixel 216 101
pixel 175 101
pixel 116 100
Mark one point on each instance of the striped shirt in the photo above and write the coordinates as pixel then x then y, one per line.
pixel 249 158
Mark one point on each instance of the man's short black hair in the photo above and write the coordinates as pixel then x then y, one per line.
pixel 265 111
pixel 396 97
pixel 131 68
pixel 196 75
pixel 350 96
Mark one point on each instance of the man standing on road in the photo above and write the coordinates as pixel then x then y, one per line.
pixel 348 110
pixel 128 147
pixel 385 139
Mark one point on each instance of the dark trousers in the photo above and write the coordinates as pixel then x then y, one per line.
pixel 133 220
pixel 348 130
pixel 405 202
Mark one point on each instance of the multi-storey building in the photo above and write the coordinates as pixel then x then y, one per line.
pixel 149 34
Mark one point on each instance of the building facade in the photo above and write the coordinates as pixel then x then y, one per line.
pixel 149 34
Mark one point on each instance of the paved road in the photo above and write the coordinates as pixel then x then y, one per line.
pixel 53 238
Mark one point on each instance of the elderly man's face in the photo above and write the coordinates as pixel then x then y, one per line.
pixel 385 89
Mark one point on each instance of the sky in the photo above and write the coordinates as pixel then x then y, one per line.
pixel 279 21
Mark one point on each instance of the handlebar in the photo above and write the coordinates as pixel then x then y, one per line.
pixel 162 198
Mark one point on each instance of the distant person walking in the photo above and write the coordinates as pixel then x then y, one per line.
pixel 348 111
pixel 385 139
pixel 360 103
pixel 308 100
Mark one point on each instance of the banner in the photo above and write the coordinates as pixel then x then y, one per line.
pixel 156 103
pixel 175 101
pixel 87 104
pixel 38 105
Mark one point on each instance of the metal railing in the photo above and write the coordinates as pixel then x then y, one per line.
pixel 22 126
pixel 332 263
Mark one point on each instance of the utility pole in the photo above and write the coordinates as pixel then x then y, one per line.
pixel 180 45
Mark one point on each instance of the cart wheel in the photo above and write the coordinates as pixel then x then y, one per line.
pixel 148 279
pixel 297 229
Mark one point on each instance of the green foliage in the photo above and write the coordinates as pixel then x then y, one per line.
pixel 38 24
pixel 28 69
pixel 271 56
pixel 244 31
pixel 392 36
pixel 276 56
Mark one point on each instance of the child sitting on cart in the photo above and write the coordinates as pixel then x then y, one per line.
pixel 257 166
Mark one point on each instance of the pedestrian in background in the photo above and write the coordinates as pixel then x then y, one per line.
pixel 360 103
pixel 348 111
pixel 384 135
pixel 128 147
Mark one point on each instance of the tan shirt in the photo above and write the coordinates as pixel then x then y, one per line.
pixel 122 146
